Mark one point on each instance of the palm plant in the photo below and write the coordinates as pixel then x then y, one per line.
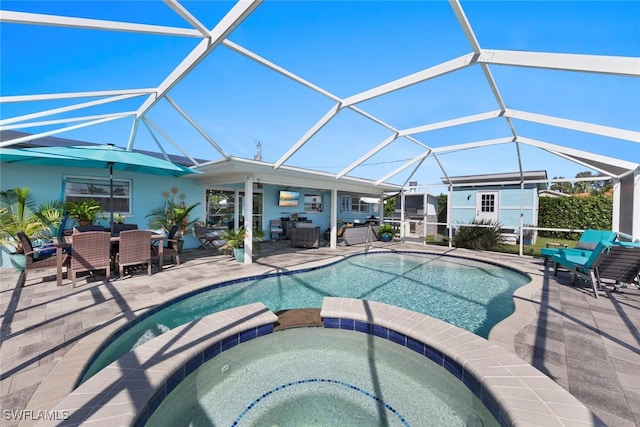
pixel 481 234
pixel 172 214
pixel 19 212
pixel 235 239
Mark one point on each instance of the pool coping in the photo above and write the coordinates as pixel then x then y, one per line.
pixel 128 390
pixel 64 377
pixel 121 392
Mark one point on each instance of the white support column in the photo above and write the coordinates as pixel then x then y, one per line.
pixel 381 209
pixel 425 215
pixel 521 233
pixel 449 211
pixel 636 205
pixel 402 236
pixel 248 220
pixel 236 210
pixel 615 225
pixel 334 218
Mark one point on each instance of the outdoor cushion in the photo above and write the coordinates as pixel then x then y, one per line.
pixel 305 225
pixel 588 241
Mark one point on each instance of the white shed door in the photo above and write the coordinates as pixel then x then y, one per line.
pixel 487 206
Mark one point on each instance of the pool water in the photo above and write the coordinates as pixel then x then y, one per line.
pixel 470 294
pixel 320 377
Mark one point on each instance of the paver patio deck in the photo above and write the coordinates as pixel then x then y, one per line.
pixel 589 346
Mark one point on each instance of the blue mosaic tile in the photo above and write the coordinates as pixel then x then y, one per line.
pixel 434 355
pixel 331 323
pixel 157 398
pixel 229 342
pixel 175 379
pixel 211 351
pixel 281 387
pixel 142 418
pixel 380 331
pixel 453 367
pixel 248 335
pixel 397 337
pixel 194 363
pixel 472 383
pixel 265 329
pixel 362 326
pixel 348 324
pixel 415 345
pixel 491 404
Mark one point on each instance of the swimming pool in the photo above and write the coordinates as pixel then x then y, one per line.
pixel 467 293
pixel 316 376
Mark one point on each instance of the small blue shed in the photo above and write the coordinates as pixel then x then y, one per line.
pixel 500 198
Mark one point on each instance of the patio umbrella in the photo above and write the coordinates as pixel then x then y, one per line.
pixel 94 156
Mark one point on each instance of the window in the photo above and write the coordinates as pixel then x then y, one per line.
pixel 313 203
pixel 79 189
pixel 488 203
pixel 349 204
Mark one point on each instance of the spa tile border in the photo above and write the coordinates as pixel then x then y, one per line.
pixel 513 391
pixel 131 388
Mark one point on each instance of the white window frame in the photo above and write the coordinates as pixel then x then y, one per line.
pixel 98 197
pixel 312 202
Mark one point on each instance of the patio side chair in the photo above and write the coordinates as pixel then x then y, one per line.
pixel 615 261
pixel 91 251
pixel 134 249
pixel 588 241
pixel 36 258
pixel 275 227
pixel 205 236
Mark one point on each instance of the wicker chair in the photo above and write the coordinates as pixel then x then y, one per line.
pixel 35 261
pixel 305 237
pixel 134 249
pixel 171 248
pixel 91 251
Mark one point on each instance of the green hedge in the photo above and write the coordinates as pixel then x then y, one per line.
pixel 594 212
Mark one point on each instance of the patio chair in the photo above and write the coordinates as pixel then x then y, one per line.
pixel 119 228
pixel 588 240
pixel 617 261
pixel 91 252
pixel 135 249
pixel 36 259
pixel 205 236
pixel 275 227
pixel 171 248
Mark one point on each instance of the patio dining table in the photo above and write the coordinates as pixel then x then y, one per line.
pixel 65 242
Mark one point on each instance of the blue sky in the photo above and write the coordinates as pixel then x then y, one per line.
pixel 345 48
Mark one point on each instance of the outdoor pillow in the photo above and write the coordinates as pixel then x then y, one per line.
pixel 589 246
pixel 305 225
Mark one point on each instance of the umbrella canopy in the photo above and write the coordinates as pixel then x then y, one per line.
pixel 94 156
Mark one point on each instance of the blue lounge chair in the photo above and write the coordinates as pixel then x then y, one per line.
pixel 617 261
pixel 587 242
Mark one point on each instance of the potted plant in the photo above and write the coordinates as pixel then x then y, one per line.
pixel 235 242
pixel 173 212
pixel 19 212
pixel 386 232
pixel 118 219
pixel 85 211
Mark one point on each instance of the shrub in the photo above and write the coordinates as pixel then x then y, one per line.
pixel 481 234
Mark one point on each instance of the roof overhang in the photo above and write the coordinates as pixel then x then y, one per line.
pixel 237 170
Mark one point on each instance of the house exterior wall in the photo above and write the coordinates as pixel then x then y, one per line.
pixel 464 199
pixel 46 184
